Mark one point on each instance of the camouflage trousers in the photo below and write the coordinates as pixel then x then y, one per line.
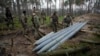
pixel 54 26
pixel 25 27
pixel 9 22
pixel 43 19
pixel 66 25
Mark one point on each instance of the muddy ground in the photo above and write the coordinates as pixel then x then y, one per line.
pixel 22 45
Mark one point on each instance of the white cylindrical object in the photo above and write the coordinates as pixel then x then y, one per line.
pixel 67 37
pixel 56 40
pixel 53 38
pixel 43 38
pixel 49 36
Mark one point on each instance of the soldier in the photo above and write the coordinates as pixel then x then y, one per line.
pixel 9 18
pixel 67 21
pixel 43 17
pixel 54 21
pixel 35 21
pixel 24 21
pixel 34 9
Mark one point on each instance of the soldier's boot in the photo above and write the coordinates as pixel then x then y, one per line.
pixel 8 26
pixel 12 28
pixel 12 22
pixel 42 21
pixel 55 29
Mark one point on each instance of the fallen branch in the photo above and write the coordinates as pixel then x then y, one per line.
pixel 12 42
pixel 92 32
pixel 65 51
pixel 42 33
pixel 11 33
pixel 28 38
pixel 90 41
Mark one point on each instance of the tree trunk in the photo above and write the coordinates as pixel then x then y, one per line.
pixel 64 52
pixel 18 9
pixel 50 9
pixel 75 7
pixel 10 5
pixel 40 6
pixel 70 7
pixel 89 7
pixel 55 5
pixel 90 41
pixel 47 7
pixel 14 8
pixel 63 8
pixel 83 9
pixel 25 6
pixel 36 4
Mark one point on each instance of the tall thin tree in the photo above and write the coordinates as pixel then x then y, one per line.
pixel 18 9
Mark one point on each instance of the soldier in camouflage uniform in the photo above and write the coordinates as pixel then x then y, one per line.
pixel 9 18
pixel 67 21
pixel 24 21
pixel 34 9
pixel 43 17
pixel 35 21
pixel 54 21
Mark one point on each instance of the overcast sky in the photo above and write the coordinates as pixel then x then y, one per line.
pixel 58 4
